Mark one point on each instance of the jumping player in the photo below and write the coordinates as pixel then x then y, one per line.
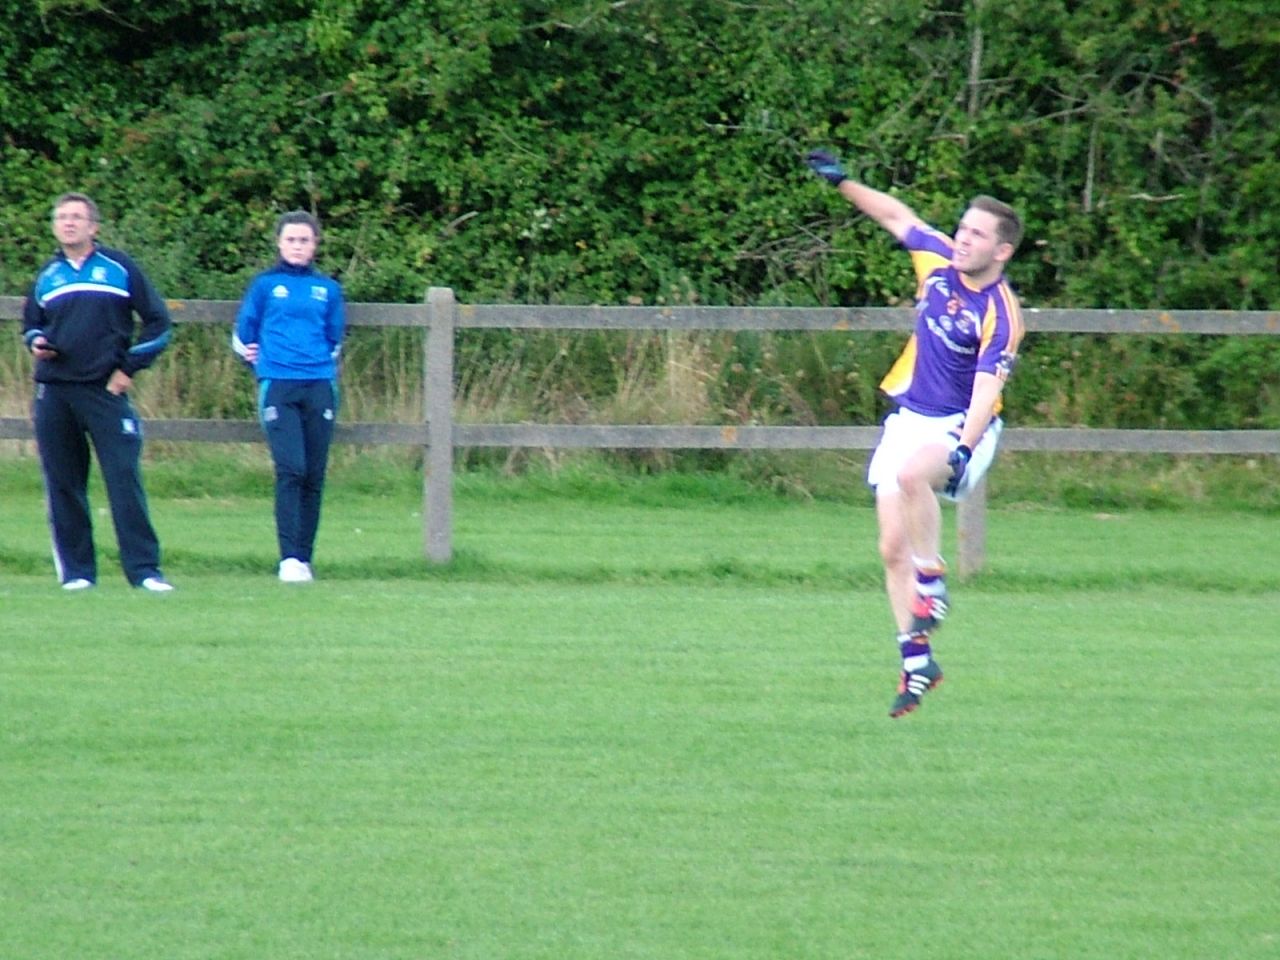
pixel 947 384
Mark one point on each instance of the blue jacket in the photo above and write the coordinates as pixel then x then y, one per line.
pixel 297 317
pixel 87 314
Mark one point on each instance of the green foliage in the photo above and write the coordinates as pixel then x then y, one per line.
pixel 1162 382
pixel 589 151
pixel 593 151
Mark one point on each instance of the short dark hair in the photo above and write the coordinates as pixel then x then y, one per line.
pixel 1008 223
pixel 84 198
pixel 298 216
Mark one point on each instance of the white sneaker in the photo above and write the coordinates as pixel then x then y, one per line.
pixel 293 570
pixel 156 585
pixel 79 583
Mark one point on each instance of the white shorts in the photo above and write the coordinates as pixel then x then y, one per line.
pixel 906 431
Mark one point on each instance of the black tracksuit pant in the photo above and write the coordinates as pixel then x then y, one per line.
pixel 67 417
pixel 297 417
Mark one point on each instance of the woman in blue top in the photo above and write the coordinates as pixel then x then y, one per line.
pixel 289 328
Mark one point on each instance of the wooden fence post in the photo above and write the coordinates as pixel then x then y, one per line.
pixel 437 387
pixel 971 530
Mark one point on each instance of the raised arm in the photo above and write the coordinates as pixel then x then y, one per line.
pixel 890 212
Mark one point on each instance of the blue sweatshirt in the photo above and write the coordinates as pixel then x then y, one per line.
pixel 87 314
pixel 297 317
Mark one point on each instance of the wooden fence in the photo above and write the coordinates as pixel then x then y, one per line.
pixel 442 316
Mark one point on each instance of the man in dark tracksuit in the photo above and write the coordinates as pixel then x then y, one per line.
pixel 78 324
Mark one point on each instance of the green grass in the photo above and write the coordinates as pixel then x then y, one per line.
pixel 638 723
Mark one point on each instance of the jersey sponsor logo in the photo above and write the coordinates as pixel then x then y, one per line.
pixel 950 323
pixel 943 328
pixel 280 291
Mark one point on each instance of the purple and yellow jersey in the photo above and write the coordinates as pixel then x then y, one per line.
pixel 959 332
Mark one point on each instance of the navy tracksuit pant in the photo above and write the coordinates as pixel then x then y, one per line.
pixel 67 416
pixel 297 417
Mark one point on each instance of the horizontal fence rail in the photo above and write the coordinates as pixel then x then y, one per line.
pixel 656 437
pixel 441 316
pixel 851 319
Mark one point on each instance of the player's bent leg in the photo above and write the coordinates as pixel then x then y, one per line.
pixel 930 602
pixel 928 610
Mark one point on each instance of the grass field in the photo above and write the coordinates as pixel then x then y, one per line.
pixel 644 726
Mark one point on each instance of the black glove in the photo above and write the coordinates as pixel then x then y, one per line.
pixel 826 166
pixel 959 462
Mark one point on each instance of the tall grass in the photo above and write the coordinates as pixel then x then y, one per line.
pixel 15 373
pixel 761 377
pixel 593 376
pixel 646 376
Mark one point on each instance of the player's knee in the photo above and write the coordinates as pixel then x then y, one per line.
pixel 913 481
